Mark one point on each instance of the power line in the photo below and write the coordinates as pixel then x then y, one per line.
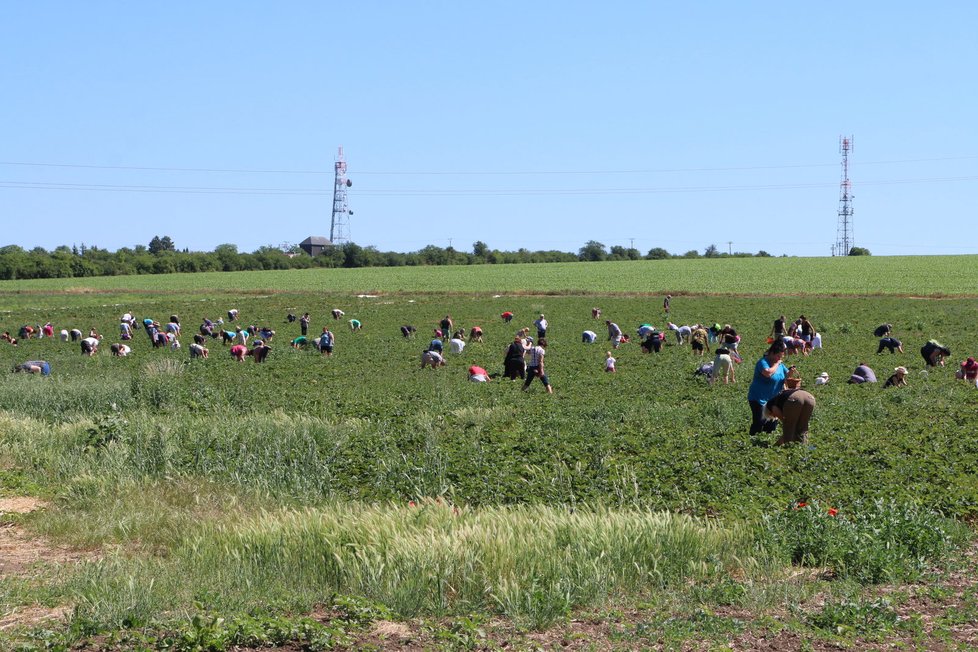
pixel 474 172
pixel 313 192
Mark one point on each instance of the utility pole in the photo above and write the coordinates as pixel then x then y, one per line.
pixel 844 239
pixel 730 247
pixel 339 227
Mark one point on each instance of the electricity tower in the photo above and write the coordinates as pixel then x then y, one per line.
pixel 339 227
pixel 844 237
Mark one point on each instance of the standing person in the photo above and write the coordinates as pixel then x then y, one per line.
pixel 304 324
pixel 614 333
pixel 445 326
pixel 934 353
pixel 595 313
pixel 666 303
pixel 723 367
pixel 778 330
pixel 535 367
pixel 793 407
pixel 768 381
pixel 513 364
pixel 609 363
pixel 541 324
pixel 806 328
pixel 326 342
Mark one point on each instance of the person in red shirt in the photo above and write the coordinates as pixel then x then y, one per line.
pixel 507 316
pixel 969 370
pixel 239 351
pixel 478 374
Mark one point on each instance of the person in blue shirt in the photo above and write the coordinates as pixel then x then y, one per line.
pixel 34 367
pixel 768 381
pixel 326 342
pixel 436 345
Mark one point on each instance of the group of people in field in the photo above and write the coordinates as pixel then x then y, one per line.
pixel 775 394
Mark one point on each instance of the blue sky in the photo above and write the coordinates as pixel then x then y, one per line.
pixel 538 125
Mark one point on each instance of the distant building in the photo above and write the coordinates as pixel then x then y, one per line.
pixel 314 245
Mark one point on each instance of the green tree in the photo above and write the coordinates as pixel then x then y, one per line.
pixel 658 253
pixel 592 251
pixel 158 245
pixel 711 252
pixel 859 251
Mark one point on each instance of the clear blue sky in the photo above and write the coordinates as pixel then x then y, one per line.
pixel 538 125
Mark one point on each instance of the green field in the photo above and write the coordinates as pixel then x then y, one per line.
pixel 364 485
pixel 931 276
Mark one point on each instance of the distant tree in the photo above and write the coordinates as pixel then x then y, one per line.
pixel 762 254
pixel 624 253
pixel 711 252
pixel 859 251
pixel 592 251
pixel 480 249
pixel 158 245
pixel 692 253
pixel 657 253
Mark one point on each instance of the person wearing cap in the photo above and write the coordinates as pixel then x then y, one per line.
pixel 898 379
pixel 969 370
pixel 541 324
pixel 822 378
pixel 793 408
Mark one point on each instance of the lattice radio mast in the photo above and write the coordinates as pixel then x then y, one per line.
pixel 339 227
pixel 843 237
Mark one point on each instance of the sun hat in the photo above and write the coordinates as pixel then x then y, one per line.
pixel 901 370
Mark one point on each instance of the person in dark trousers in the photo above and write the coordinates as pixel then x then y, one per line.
pixel 535 368
pixel 769 375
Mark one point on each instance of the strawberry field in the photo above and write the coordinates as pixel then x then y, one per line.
pixel 171 459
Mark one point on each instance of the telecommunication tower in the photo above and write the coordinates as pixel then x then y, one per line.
pixel 339 227
pixel 843 237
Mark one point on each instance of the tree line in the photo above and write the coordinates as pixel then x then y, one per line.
pixel 161 256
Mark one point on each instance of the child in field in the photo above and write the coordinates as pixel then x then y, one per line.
pixel 609 363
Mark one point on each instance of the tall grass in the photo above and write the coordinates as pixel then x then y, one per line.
pixel 532 564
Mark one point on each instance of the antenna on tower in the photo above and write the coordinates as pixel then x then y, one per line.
pixel 843 237
pixel 339 227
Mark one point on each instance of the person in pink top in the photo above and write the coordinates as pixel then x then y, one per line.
pixel 239 351
pixel 478 374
